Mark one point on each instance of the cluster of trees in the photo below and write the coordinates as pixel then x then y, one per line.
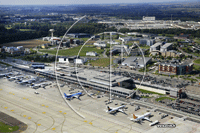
pixel 38 30
pixel 39 58
pixel 10 35
pixel 194 33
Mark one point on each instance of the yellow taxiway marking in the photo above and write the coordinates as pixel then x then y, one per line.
pixel 85 121
pixel 5 107
pixel 43 105
pixel 24 98
pixel 13 94
pixel 90 123
pixel 24 115
pixel 0 89
pixel 39 124
pixel 11 110
pixel 53 128
pixel 29 117
pixel 47 106
pixel 27 99
pixel 65 113
pixel 44 112
pixel 60 111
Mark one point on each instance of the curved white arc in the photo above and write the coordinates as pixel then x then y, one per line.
pixel 76 64
pixel 62 94
pixel 143 61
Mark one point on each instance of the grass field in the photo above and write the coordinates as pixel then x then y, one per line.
pixel 74 51
pixel 162 98
pixel 197 61
pixel 6 128
pixel 145 47
pixel 104 62
pixel 151 92
pixel 196 67
pixel 26 30
pixel 26 44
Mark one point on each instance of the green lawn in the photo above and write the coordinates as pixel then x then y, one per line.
pixel 196 67
pixel 145 47
pixel 162 98
pixel 104 62
pixel 74 51
pixel 151 92
pixel 146 96
pixel 26 30
pixel 197 61
pixel 6 128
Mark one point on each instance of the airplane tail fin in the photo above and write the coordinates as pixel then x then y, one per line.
pixel 134 116
pixel 65 95
pixel 108 108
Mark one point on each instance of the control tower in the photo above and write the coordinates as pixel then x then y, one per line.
pixel 51 30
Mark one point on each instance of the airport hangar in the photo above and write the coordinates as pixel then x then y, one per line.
pixel 120 85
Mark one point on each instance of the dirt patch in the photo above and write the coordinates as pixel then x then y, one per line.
pixel 12 122
pixel 26 44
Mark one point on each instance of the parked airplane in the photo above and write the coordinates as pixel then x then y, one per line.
pixel 27 81
pixel 137 118
pixel 45 84
pixel 76 95
pixel 34 86
pixel 5 74
pixel 112 110
pixel 15 78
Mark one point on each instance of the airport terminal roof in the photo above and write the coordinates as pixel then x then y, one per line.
pixel 156 44
pixel 167 45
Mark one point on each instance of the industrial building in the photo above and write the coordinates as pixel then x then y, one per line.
pixel 175 67
pixel 100 44
pixel 136 61
pixel 37 65
pixel 79 35
pixel 91 53
pixel 147 41
pixel 63 60
pixel 166 47
pixel 155 47
pixel 171 53
pixel 153 18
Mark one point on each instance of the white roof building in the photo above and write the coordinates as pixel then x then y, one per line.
pixel 91 53
pixel 100 44
pixel 63 60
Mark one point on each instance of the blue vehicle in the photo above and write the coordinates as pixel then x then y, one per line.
pixel 75 95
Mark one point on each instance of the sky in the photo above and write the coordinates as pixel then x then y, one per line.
pixel 69 2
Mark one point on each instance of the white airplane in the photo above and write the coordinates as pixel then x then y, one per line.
pixel 137 118
pixel 31 80
pixel 27 81
pixel 34 86
pixel 15 78
pixel 5 74
pixel 112 110
pixel 45 84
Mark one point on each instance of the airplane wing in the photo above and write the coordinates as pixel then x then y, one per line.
pixel 121 110
pixel 76 96
pixel 146 118
pixel 137 115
